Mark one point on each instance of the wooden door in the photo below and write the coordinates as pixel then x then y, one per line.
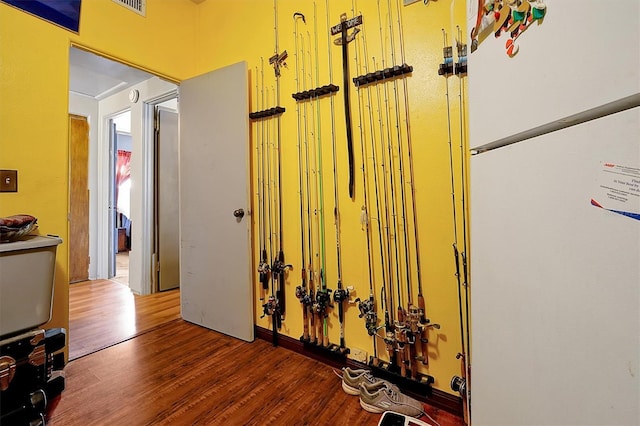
pixel 78 198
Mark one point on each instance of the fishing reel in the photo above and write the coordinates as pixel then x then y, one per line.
pixel 303 296
pixel 340 295
pixel 459 384
pixel 271 307
pixel 390 341
pixel 400 334
pixel 323 300
pixel 367 311
pixel 278 267
pixel 263 270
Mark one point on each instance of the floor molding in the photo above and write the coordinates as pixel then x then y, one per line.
pixel 437 399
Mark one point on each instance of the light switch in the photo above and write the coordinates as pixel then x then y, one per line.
pixel 8 181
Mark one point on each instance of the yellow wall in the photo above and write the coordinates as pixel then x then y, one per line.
pixel 247 33
pixel 180 39
pixel 34 73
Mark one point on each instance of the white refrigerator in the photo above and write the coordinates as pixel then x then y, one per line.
pixel 555 219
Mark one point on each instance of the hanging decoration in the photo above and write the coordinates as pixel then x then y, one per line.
pixel 511 17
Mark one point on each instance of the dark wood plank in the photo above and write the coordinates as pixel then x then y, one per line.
pixel 180 373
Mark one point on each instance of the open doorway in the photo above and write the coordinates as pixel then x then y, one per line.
pixel 166 241
pixel 121 199
pixel 121 126
pixel 103 90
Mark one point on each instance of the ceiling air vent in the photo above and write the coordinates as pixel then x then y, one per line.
pixel 138 6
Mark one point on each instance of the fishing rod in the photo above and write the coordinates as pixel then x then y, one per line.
pixel 263 267
pixel 463 384
pixel 340 295
pixel 309 301
pixel 457 383
pixel 366 307
pixel 400 157
pixel 278 266
pixel 301 290
pixel 424 321
pixel 319 306
pixel 461 70
pixel 389 338
pixel 323 298
pixel 389 192
pixel 270 307
pixel 391 221
pixel 407 337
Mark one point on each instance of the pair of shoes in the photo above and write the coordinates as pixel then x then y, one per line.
pixel 380 397
pixel 351 380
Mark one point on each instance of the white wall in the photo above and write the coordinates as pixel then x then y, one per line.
pixel 141 169
pixel 88 107
pixel 124 142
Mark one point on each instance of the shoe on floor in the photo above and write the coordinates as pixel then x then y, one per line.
pixel 379 397
pixel 351 380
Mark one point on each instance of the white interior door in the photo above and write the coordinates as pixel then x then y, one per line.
pixel 112 240
pixel 215 270
pixel 167 245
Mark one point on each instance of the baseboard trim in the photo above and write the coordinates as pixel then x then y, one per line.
pixel 437 398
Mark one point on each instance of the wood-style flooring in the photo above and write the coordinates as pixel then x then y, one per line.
pixel 178 373
pixel 104 312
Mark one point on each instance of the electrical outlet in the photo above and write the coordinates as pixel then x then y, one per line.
pixel 8 181
pixel 359 355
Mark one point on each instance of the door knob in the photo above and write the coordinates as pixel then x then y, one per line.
pixel 239 213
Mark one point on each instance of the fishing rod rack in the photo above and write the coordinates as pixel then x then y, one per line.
pixel 332 351
pixel 448 67
pixel 421 384
pixel 315 93
pixel 382 75
pixel 271 112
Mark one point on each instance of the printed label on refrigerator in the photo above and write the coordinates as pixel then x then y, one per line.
pixel 619 189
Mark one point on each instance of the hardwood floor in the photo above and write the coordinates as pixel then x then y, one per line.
pixel 122 268
pixel 104 312
pixel 183 374
pixel 177 373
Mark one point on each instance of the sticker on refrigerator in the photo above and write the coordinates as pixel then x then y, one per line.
pixel 619 190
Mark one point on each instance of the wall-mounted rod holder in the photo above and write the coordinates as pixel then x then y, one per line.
pixel 266 113
pixel 315 93
pixel 381 75
pixel 446 68
pixel 420 385
pixel 461 65
pixel 332 351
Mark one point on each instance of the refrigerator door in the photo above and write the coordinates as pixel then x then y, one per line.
pixel 580 56
pixel 555 280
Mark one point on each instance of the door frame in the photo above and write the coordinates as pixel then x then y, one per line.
pixel 105 235
pixel 142 160
pixel 148 206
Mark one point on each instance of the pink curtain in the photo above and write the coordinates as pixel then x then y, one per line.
pixel 123 167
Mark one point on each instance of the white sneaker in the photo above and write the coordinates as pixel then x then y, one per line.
pixel 379 397
pixel 351 380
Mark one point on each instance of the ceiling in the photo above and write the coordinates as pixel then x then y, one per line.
pixel 97 77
